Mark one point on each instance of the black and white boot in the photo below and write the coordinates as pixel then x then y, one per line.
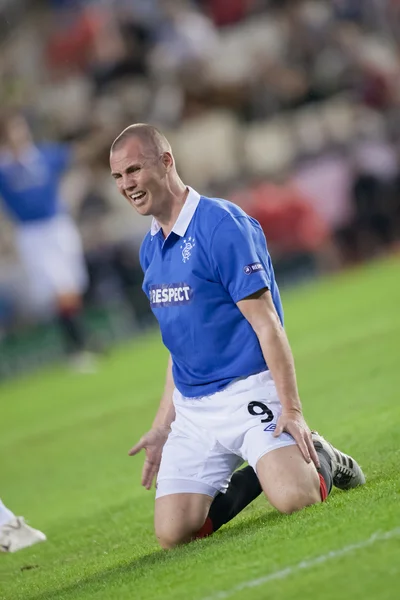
pixel 346 472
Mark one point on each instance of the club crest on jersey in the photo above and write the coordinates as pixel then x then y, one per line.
pixel 253 268
pixel 187 247
pixel 170 294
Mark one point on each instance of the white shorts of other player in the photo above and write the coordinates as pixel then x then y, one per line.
pixel 51 253
pixel 213 435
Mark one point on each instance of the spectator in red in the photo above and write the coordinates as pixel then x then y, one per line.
pixel 227 13
pixel 298 237
pixel 290 222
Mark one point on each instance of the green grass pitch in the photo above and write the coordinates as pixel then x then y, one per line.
pixel 64 466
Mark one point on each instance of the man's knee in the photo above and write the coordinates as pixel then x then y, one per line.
pixel 170 534
pixel 179 517
pixel 169 538
pixel 289 483
pixel 294 499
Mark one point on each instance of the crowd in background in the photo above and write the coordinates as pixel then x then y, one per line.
pixel 289 108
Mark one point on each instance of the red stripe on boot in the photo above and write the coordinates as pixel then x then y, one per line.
pixel 322 487
pixel 206 530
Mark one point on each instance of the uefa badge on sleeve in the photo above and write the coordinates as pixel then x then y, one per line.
pixel 253 268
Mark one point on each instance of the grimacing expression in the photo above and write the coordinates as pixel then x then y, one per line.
pixel 139 175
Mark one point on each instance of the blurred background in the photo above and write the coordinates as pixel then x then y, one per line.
pixel 290 108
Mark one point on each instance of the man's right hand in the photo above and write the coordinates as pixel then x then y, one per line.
pixel 152 442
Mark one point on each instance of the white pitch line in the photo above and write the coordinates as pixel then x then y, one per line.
pixel 306 564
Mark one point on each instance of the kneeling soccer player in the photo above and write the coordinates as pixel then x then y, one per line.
pixel 231 393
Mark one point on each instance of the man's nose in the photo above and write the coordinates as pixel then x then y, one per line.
pixel 129 182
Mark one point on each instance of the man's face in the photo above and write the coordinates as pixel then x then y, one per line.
pixel 17 133
pixel 140 175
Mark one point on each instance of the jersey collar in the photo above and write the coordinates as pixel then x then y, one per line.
pixel 185 216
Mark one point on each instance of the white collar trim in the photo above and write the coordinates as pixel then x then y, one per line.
pixel 185 216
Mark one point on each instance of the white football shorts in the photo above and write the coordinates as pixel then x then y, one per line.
pixel 52 255
pixel 213 435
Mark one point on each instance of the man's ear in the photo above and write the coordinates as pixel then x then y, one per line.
pixel 167 160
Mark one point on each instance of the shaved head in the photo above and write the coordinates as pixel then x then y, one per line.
pixel 153 141
pixel 143 168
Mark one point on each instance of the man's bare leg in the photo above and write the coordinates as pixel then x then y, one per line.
pixel 179 517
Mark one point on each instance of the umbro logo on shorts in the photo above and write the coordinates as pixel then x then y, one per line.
pixel 170 294
pixel 270 427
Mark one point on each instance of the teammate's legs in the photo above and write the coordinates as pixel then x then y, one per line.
pixel 69 319
pixel 69 280
pixel 52 254
pixel 5 514
pixel 15 534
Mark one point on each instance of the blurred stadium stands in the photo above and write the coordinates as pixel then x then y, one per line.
pixel 289 108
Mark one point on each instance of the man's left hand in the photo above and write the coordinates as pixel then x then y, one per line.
pixel 293 422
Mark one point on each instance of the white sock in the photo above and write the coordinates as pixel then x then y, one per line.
pixel 5 514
